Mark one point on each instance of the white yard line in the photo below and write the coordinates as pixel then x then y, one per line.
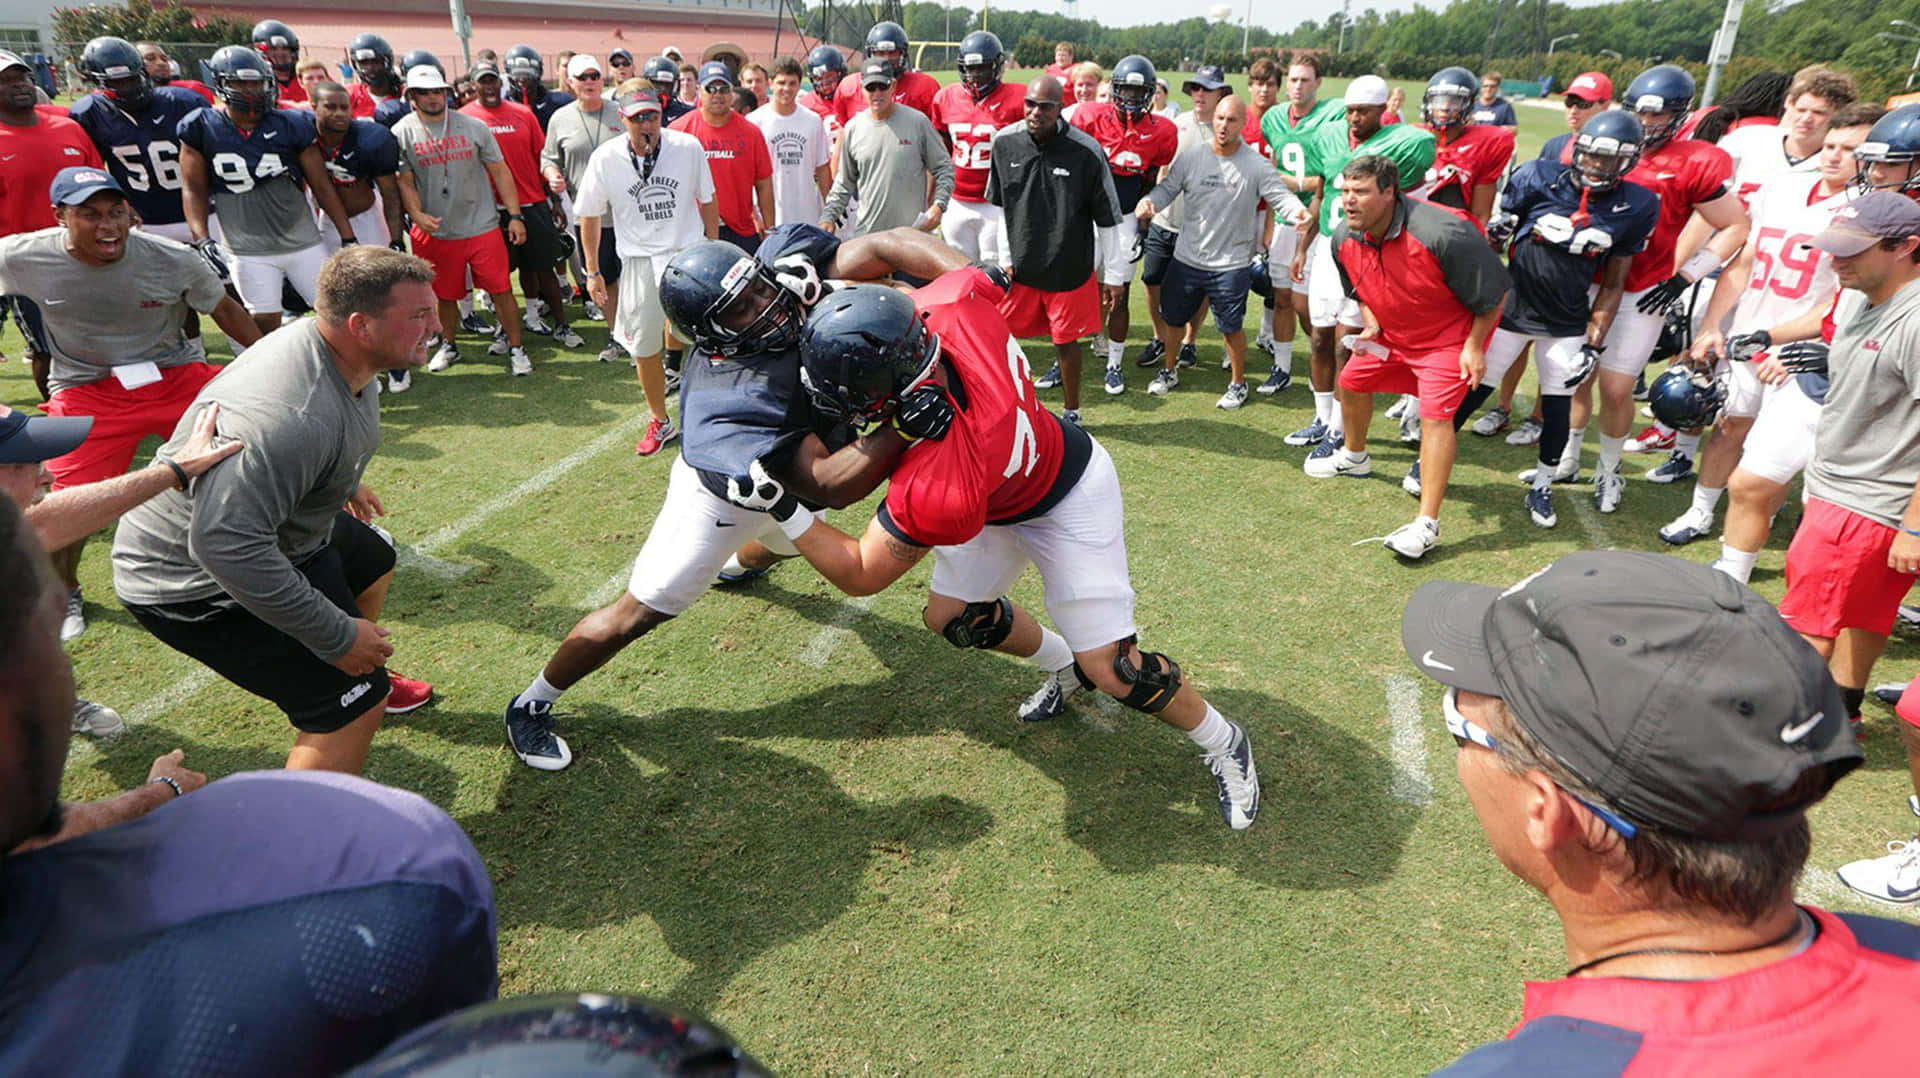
pixel 609 589
pixel 1588 517
pixel 821 647
pixel 1409 783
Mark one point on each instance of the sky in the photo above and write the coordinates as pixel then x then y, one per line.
pixel 1275 17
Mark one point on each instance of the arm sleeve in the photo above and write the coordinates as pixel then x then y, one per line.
pixel 939 161
pixel 1472 270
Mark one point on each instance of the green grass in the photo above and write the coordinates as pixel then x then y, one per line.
pixel 867 865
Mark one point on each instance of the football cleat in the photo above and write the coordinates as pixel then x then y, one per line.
pixel 475 324
pixel 1411 483
pixel 1238 780
pixel 1607 489
pixel 530 732
pixel 565 337
pixel 1410 424
pixel 1493 422
pixel 1330 458
pixel 593 312
pixel 1312 434
pixel 1413 539
pixel 745 574
pixel 613 353
pixel 1115 383
pixel 1151 355
pixel 1164 382
pixel 498 346
pixel 1894 877
pixel 399 381
pixel 1072 415
pixel 407 695
pixel 1277 379
pixel 1540 506
pixel 1676 467
pixel 1189 357
pixel 1049 701
pixel 1640 386
pixel 1049 380
pixel 75 621
pixel 96 719
pixel 1399 407
pixel 1654 439
pixel 520 363
pixel 1233 398
pixel 1527 433
pixel 659 433
pixel 1688 526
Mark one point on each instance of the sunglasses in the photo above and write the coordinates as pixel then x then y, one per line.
pixel 718 88
pixel 621 63
pixel 1043 106
pixel 1467 732
pixel 586 76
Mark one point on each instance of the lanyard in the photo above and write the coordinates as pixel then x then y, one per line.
pixel 645 171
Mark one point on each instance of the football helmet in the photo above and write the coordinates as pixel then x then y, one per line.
pixel 525 72
pixel 1606 149
pixel 887 41
pixel 279 44
pixel 372 60
pixel 664 74
pixel 729 303
pixel 243 80
pixel 1447 104
pixel 982 60
pixel 421 58
pixel 113 65
pixel 1686 398
pixel 825 68
pixel 1665 90
pixel 1133 82
pixel 1893 140
pixel 863 346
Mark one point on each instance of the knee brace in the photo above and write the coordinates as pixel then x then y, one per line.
pixel 1151 685
pixel 981 625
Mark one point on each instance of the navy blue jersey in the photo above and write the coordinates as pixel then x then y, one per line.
pixel 142 152
pixel 1566 235
pixel 735 410
pixel 255 178
pixel 367 152
pixel 550 102
pixel 673 110
pixel 391 111
pixel 1554 148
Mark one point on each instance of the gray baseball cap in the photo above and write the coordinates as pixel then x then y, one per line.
pixel 1874 216
pixel 1677 694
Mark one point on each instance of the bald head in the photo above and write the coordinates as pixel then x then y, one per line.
pixel 1046 88
pixel 1045 96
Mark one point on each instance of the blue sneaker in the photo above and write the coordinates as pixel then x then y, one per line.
pixel 744 575
pixel 1239 783
pixel 1678 466
pixel 1049 379
pixel 530 732
pixel 475 324
pixel 1540 506
pixel 1312 434
pixel 1411 484
pixel 1115 383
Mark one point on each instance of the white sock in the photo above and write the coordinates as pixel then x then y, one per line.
pixel 1323 405
pixel 1356 457
pixel 1543 473
pixel 1661 428
pixel 1611 449
pixel 466 305
pixel 1687 445
pixel 1266 323
pixel 1116 351
pixel 1737 564
pixel 541 690
pixel 1576 441
pixel 1213 734
pixel 1283 355
pixel 1054 654
pixel 1706 499
pixel 1427 520
pixel 733 565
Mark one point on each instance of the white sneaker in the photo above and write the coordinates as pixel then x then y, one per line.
pixel 1163 383
pixel 594 314
pixel 1491 422
pixel 75 622
pixel 1894 877
pixel 532 322
pixel 1050 700
pixel 1527 433
pixel 1410 425
pixel 1338 462
pixel 1264 342
pixel 1226 361
pixel 498 346
pixel 1234 397
pixel 1607 489
pixel 443 357
pixel 1238 780
pixel 483 301
pixel 1399 408
pixel 1688 526
pixel 399 381
pixel 1414 538
pixel 565 337
pixel 520 363
pixel 96 719
pixel 613 353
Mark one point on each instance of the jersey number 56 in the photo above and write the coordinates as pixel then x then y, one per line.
pixel 158 162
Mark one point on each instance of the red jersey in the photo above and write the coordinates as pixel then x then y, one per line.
pixel 200 88
pixel 1253 136
pixel 1137 148
pixel 1475 158
pixel 915 89
pixel 1684 173
pixel 823 108
pixel 738 157
pixel 294 95
pixel 363 101
pixel 518 133
pixel 29 159
pixel 968 127
pixel 1004 450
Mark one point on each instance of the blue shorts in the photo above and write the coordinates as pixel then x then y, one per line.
pixel 1156 254
pixel 1185 287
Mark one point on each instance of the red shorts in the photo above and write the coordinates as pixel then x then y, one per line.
pixel 1909 706
pixel 1063 317
pixel 121 418
pixel 1837 574
pixel 1434 377
pixel 485 255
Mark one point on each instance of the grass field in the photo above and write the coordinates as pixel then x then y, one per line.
pixel 815 821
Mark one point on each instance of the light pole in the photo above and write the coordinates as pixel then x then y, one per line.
pixel 1551 45
pixel 1246 30
pixel 1913 68
pixel 1611 52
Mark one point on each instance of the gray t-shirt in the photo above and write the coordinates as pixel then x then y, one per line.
pixel 573 134
pixel 885 164
pixel 449 161
pixel 243 526
pixel 1187 127
pixel 1219 194
pixel 100 317
pixel 1866 452
pixel 258 189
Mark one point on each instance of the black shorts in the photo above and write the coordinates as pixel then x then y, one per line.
pixel 609 253
pixel 543 249
pixel 749 244
pixel 1157 254
pixel 32 328
pixel 317 696
pixel 1185 287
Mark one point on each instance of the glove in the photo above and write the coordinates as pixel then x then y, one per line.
pixel 399 244
pixel 210 251
pixel 1586 361
pixel 1501 227
pixel 1139 246
pixel 797 274
pixel 1742 347
pixel 1657 299
pixel 997 275
pixel 761 492
pixel 924 412
pixel 1804 357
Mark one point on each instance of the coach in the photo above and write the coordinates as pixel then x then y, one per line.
pixel 573 133
pixel 1051 178
pixel 887 154
pixel 1430 290
pixel 254 569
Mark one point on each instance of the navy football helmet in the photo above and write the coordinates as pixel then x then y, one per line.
pixel 1447 104
pixel 825 68
pixel 664 74
pixel 982 60
pixel 1894 140
pixel 279 44
pixel 1133 83
pixel 1665 90
pixel 113 65
pixel 887 41
pixel 729 303
pixel 525 72
pixel 1606 149
pixel 863 346
pixel 372 60
pixel 421 58
pixel 1686 398
pixel 243 80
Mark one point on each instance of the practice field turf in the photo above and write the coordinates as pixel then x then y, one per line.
pixel 817 822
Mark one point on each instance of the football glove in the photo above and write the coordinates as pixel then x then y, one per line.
pixel 1501 227
pixel 1742 347
pixel 210 251
pixel 1803 357
pixel 1657 299
pixel 797 274
pixel 923 412
pixel 762 492
pixel 997 275
pixel 1585 362
pixel 1139 246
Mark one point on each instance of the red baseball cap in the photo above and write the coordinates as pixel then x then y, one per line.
pixel 1591 86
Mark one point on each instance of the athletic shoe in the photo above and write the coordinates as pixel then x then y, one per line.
pixel 443 357
pixel 1410 426
pixel 659 433
pixel 565 337
pixel 1399 407
pixel 1607 489
pixel 1330 458
pixel 1411 484
pixel 1234 397
pixel 1049 701
pixel 1890 694
pixel 75 622
pixel 1492 422
pixel 1413 539
pixel 533 323
pixel 1239 782
pixel 1151 355
pixel 1072 415
pixel 477 325
pixel 520 363
pixel 96 719
pixel 1650 440
pixel 1527 433
pixel 1312 434
pixel 613 353
pixel 1164 382
pixel 1115 383
pixel 1189 357
pixel 1678 466
pixel 1640 385
pixel 594 313
pixel 1049 380
pixel 1909 615
pixel 1894 877
pixel 482 301
pixel 673 382
pixel 399 381
pixel 1265 343
pixel 1277 379
pixel 530 732
pixel 1688 526
pixel 407 695
pixel 746 574
pixel 498 346
pixel 1540 506
pixel 1567 472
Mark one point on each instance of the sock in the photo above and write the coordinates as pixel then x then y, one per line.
pixel 1576 436
pixel 1116 351
pixel 1661 428
pixel 1554 413
pixel 1476 397
pixel 1854 698
pixel 1611 449
pixel 733 566
pixel 1266 321
pixel 1427 520
pixel 1323 406
pixel 1737 564
pixel 1213 734
pixel 466 305
pixel 1351 455
pixel 1687 445
pixel 673 358
pixel 1543 472
pixel 1054 654
pixel 1706 499
pixel 541 690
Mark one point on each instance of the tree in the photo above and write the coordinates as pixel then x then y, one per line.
pixel 147 20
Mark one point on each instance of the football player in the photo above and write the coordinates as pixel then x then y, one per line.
pixel 527 72
pixel 376 78
pixel 741 406
pixel 1796 143
pixel 967 114
pixel 664 74
pixel 1285 132
pixel 1055 504
pixel 825 68
pixel 254 164
pixel 281 46
pixel 363 161
pixel 914 89
pixel 134 125
pixel 164 72
pixel 1468 157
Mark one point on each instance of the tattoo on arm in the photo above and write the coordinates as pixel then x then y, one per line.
pixel 905 552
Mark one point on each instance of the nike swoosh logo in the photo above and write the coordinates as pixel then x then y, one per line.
pixel 8 157
pixel 723 523
pixel 270 134
pixel 1792 732
pixel 51 302
pixel 1429 660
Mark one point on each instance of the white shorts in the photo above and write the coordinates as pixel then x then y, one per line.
pixel 369 227
pixel 1080 548
pixel 1631 341
pixel 1103 240
pixel 1781 440
pixel 693 535
pixel 178 232
pixel 1697 298
pixel 258 277
pixel 1744 388
pixel 1286 240
pixel 978 230
pixel 1554 357
pixel 639 322
pixel 1327 304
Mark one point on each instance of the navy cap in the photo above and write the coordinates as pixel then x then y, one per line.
pixel 72 186
pixel 28 439
pixel 619 54
pixel 1206 77
pixel 876 71
pixel 714 71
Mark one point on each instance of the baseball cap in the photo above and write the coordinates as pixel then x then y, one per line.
pixel 1591 86
pixel 714 71
pixel 639 101
pixel 1680 696
pixel 619 54
pixel 483 69
pixel 72 186
pixel 28 439
pixel 876 72
pixel 580 64
pixel 426 77
pixel 8 59
pixel 1366 90
pixel 1205 77
pixel 672 52
pixel 1874 216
